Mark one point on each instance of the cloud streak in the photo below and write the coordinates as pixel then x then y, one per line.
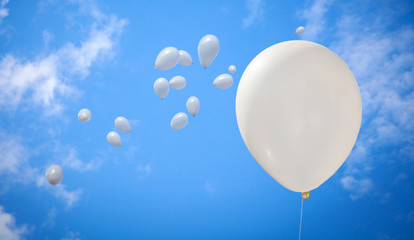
pixel 8 228
pixel 43 80
pixel 256 10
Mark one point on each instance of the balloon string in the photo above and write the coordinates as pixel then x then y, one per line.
pixel 301 210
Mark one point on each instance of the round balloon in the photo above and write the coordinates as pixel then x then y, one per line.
pixel 180 120
pixel 232 69
pixel 161 87
pixel 122 124
pixel 299 110
pixel 54 174
pixel 193 105
pixel 167 58
pixel 223 81
pixel 114 139
pixel 178 82
pixel 84 115
pixel 300 30
pixel 208 48
pixel 185 58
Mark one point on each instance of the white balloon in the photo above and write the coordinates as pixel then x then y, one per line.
pixel 167 58
pixel 114 139
pixel 193 105
pixel 223 81
pixel 161 87
pixel 54 174
pixel 122 124
pixel 300 30
pixel 208 48
pixel 178 82
pixel 299 110
pixel 232 68
pixel 84 115
pixel 179 121
pixel 185 58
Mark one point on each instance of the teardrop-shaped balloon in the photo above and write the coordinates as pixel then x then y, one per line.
pixel 178 82
pixel 193 105
pixel 84 115
pixel 167 58
pixel 208 48
pixel 161 87
pixel 54 174
pixel 299 115
pixel 185 58
pixel 232 69
pixel 179 121
pixel 114 139
pixel 122 124
pixel 223 81
pixel 300 30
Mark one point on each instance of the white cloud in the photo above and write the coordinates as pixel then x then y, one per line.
pixel 71 160
pixel 49 222
pixel 71 236
pixel 44 79
pixel 59 191
pixel 256 10
pixel 209 188
pixel 4 12
pixel 314 17
pixel 359 188
pixel 145 170
pixel 8 228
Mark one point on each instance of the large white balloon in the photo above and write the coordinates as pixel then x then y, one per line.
pixel 185 58
pixel 179 121
pixel 232 69
pixel 299 110
pixel 223 81
pixel 208 48
pixel 167 58
pixel 300 30
pixel 122 124
pixel 193 105
pixel 114 139
pixel 161 87
pixel 84 115
pixel 54 174
pixel 178 82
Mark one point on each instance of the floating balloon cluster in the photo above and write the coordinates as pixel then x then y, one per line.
pixel 208 49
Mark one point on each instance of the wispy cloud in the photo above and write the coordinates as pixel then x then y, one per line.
pixel 71 236
pixel 314 17
pixel 16 168
pixel 209 187
pixel 72 161
pixel 8 228
pixel 358 188
pixel 144 170
pixel 44 79
pixel 4 12
pixel 256 10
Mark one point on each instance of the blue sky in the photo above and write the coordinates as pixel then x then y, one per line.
pixel 199 182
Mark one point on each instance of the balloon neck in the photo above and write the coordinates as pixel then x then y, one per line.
pixel 305 195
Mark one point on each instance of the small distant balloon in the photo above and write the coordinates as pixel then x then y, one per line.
pixel 167 58
pixel 300 30
pixel 84 115
pixel 114 139
pixel 122 124
pixel 232 69
pixel 180 120
pixel 223 81
pixel 193 105
pixel 54 174
pixel 161 87
pixel 178 82
pixel 185 58
pixel 208 48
